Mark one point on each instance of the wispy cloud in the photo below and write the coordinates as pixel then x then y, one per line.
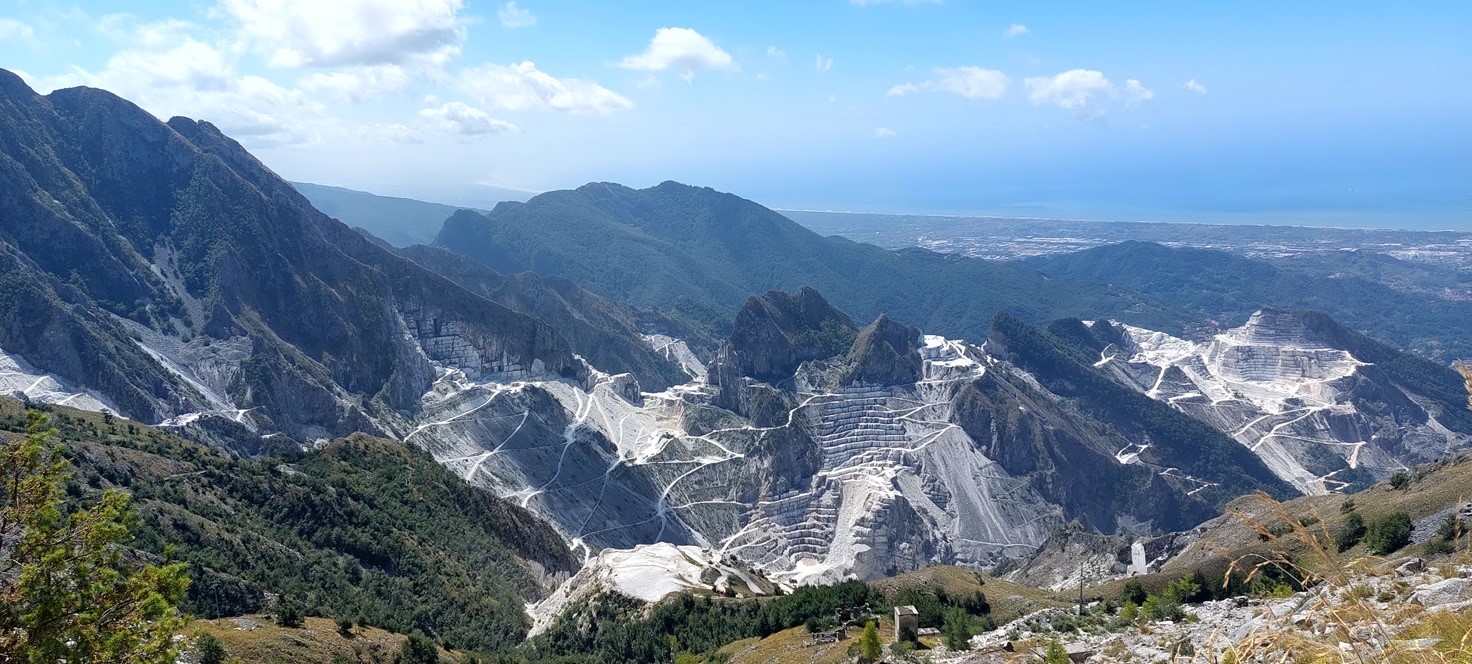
pixel 823 64
pixel 513 17
pixel 523 86
pixel 885 132
pixel 1195 87
pixel 968 82
pixel 1015 30
pixel 465 120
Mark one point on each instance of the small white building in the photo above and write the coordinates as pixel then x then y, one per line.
pixel 906 623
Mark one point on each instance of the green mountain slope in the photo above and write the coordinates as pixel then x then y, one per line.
pixel 697 254
pixel 1218 286
pixel 359 527
pixel 399 221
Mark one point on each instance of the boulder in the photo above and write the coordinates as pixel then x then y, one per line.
pixel 1445 591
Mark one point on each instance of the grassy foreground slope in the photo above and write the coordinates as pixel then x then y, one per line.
pixel 359 528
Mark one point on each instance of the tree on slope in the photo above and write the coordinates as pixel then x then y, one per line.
pixel 65 592
pixel 869 648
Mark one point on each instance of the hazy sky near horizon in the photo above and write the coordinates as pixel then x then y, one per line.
pixel 1335 113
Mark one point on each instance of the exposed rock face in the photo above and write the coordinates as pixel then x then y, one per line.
pixel 163 268
pixel 1321 418
pixel 776 332
pixel 772 336
pixel 885 353
pixel 946 455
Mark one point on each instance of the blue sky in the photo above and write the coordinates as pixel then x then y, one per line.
pixel 1335 113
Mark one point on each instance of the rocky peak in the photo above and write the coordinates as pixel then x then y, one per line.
pixel 776 332
pixel 1274 327
pixel 885 353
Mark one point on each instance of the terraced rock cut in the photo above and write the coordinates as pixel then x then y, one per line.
pixel 821 477
pixel 1320 418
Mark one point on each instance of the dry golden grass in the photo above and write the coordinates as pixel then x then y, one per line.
pixel 315 642
pixel 1346 623
pixel 1008 600
pixel 792 646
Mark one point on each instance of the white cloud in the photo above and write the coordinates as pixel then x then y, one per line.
pixel 356 84
pixel 1073 89
pixel 513 17
pixel 823 64
pixel 1136 93
pixel 1195 87
pixel 968 82
pixel 169 72
pixel 776 53
pixel 1015 30
pixel 13 29
pixel 523 86
pixel 466 120
pixel 1085 91
pixel 680 49
pixel 884 132
pixel 294 33
pixel 391 133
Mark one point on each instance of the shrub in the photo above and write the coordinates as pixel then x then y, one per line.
pixel 957 629
pixel 208 649
pixel 1389 534
pixel 1134 592
pixel 1056 654
pixel 1157 607
pixel 417 649
pixel 1400 481
pixel 1451 529
pixel 1438 548
pixel 1352 532
pixel 288 615
pixel 869 649
pixel 345 626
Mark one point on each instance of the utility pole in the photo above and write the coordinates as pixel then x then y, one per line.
pixel 1080 588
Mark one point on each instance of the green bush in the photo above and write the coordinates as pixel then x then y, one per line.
pixel 1389 534
pixel 1352 532
pixel 208 649
pixel 1134 592
pixel 417 649
pixel 957 629
pixel 1400 481
pixel 288 615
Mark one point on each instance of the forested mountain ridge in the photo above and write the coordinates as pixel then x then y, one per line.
pixel 696 254
pixel 1224 290
pixel 359 528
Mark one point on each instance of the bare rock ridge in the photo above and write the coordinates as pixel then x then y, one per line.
pixel 1288 387
pixel 127 237
pixel 885 353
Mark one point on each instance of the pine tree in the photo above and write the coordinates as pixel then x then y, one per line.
pixel 65 592
pixel 1055 654
pixel 957 630
pixel 417 649
pixel 869 648
pixel 208 649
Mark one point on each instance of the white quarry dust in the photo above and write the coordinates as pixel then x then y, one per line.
pixel 677 351
pixel 647 572
pixel 1265 387
pixel 888 457
pixel 17 376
